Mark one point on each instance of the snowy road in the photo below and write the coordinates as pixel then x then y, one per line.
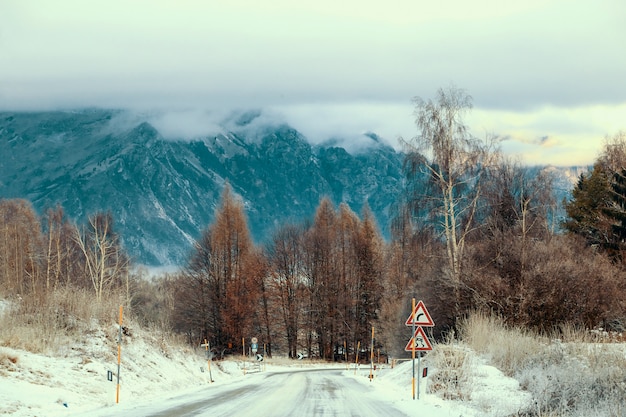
pixel 306 392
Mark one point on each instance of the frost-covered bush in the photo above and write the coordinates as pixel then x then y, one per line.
pixel 572 376
pixel 452 372
pixel 574 380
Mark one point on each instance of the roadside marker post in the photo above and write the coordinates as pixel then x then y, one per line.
pixel 372 356
pixel 356 356
pixel 119 358
pixel 243 344
pixel 207 345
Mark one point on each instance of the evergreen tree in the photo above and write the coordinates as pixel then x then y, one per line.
pixel 617 214
pixel 597 211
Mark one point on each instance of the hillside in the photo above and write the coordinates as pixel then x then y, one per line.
pixel 163 191
pixel 162 186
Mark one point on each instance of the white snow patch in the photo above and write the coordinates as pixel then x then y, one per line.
pixel 5 305
pixel 74 381
pixel 493 394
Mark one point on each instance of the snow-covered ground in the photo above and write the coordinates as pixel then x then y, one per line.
pixel 74 381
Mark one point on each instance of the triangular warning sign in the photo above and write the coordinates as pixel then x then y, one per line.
pixel 420 316
pixel 419 342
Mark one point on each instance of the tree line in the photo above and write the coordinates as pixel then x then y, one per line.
pixel 472 230
pixel 38 256
pixel 312 288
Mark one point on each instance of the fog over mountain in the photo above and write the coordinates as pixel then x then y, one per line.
pixel 162 187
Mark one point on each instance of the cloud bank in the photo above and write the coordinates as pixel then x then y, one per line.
pixel 535 68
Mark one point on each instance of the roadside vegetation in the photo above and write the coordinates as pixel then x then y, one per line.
pixel 472 233
pixel 567 371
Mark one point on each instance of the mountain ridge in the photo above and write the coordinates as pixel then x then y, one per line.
pixel 163 192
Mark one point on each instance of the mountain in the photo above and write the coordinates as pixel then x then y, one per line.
pixel 163 192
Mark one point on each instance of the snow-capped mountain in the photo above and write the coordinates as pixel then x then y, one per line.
pixel 163 192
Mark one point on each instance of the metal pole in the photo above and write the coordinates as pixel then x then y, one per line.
pixel 119 358
pixel 372 356
pixel 413 347
pixel 356 356
pixel 208 357
pixel 419 373
pixel 243 343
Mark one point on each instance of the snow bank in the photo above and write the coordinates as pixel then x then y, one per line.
pixel 74 381
pixel 491 394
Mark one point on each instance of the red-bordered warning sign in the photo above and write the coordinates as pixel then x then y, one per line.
pixel 419 342
pixel 420 316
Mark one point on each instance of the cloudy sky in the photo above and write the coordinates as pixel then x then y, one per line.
pixel 547 75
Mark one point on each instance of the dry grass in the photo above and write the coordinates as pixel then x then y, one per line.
pixel 571 372
pixel 508 348
pixel 44 324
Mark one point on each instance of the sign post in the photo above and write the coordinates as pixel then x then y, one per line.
pixel 412 350
pixel 419 342
pixel 209 355
pixel 356 356
pixel 243 351
pixel 372 356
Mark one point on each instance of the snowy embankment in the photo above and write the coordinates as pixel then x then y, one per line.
pixel 74 380
pixel 488 392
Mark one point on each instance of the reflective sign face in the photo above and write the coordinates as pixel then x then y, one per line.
pixel 419 342
pixel 420 316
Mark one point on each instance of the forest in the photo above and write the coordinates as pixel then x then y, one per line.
pixel 472 231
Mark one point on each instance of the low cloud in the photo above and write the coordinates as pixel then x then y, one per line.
pixel 352 126
pixel 186 124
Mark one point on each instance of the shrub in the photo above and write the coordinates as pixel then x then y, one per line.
pixel 568 374
pixel 508 348
pixel 452 377
pixel 44 323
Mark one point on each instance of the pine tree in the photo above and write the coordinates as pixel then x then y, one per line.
pixel 586 211
pixel 617 213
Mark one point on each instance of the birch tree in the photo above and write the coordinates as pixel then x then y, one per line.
pixel 445 166
pixel 104 260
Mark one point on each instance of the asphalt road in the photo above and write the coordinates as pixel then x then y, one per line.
pixel 320 393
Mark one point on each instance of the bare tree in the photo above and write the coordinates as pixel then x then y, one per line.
pixel 285 281
pixel 223 279
pixel 20 247
pixel 105 262
pixel 452 162
pixel 322 278
pixel 614 152
pixel 199 296
pixel 369 257
pixel 60 249
pixel 238 263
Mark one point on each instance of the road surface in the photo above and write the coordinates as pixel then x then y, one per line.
pixel 302 392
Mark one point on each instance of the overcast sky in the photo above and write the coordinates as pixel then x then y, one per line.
pixel 548 75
